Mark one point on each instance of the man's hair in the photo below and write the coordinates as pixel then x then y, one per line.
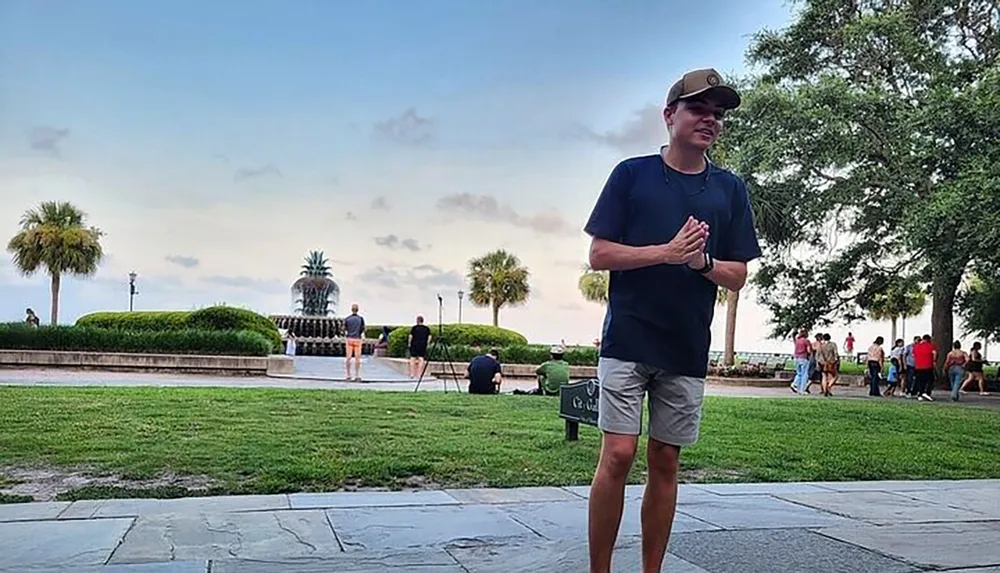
pixel 420 319
pixel 354 307
pixel 494 353
pixel 927 338
pixel 826 336
pixel 916 338
pixel 28 311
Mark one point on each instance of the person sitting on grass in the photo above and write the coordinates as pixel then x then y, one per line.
pixel 485 374
pixel 553 373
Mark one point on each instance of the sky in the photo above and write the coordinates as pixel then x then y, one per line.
pixel 216 143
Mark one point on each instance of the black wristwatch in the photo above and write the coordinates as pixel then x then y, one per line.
pixel 709 265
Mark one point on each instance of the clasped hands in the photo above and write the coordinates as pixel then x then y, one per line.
pixel 688 245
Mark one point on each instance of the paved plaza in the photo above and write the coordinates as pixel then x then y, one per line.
pixel 829 527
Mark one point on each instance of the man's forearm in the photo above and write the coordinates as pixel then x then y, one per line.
pixel 610 256
pixel 731 275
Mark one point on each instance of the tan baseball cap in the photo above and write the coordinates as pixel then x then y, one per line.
pixel 697 82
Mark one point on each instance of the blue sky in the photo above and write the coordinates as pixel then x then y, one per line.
pixel 216 143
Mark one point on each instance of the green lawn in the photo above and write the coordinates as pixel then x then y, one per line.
pixel 293 440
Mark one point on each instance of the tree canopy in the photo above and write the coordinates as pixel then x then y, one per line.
pixel 876 121
pixel 498 279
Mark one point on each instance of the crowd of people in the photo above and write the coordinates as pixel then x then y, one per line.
pixel 910 372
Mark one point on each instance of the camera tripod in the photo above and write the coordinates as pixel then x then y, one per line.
pixel 446 354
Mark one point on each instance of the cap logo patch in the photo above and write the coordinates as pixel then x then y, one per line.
pixel 712 79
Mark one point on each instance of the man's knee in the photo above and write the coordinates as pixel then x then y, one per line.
pixel 617 454
pixel 663 459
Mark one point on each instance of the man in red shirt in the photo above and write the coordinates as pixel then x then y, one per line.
pixel 924 358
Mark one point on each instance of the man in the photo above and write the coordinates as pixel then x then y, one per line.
pixel 419 339
pixel 849 344
pixel 553 373
pixel 828 359
pixel 911 368
pixel 355 327
pixel 924 359
pixel 671 228
pixel 485 374
pixel 876 361
pixel 815 372
pixel 801 354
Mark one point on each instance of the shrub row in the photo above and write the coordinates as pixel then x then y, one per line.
pixel 213 318
pixel 460 335
pixel 17 336
pixel 517 354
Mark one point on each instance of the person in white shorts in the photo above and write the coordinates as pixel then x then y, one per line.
pixel 671 227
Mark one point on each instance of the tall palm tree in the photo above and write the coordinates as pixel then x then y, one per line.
pixel 498 279
pixel 903 299
pixel 316 294
pixel 731 300
pixel 594 285
pixel 54 236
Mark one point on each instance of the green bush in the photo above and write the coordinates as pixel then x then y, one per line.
pixel 218 318
pixel 517 354
pixel 460 334
pixel 18 336
pixel 375 330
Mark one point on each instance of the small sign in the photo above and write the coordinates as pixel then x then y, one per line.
pixel 579 404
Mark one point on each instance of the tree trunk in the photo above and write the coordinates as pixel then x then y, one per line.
pixel 55 298
pixel 732 303
pixel 943 289
pixel 892 342
pixel 496 314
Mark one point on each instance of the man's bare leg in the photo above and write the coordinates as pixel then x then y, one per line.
pixel 607 498
pixel 659 503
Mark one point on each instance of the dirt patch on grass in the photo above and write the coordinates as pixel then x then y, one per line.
pixel 47 484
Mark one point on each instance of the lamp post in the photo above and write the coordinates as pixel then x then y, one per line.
pixel 460 295
pixel 131 289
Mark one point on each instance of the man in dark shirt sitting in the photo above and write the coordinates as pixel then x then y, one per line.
pixel 420 338
pixel 485 374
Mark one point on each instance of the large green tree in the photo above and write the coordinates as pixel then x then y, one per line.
pixel 54 237
pixel 879 118
pixel 496 280
pixel 980 303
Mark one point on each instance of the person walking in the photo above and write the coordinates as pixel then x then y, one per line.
pixel 416 344
pixel 802 352
pixel 924 357
pixel 910 364
pixel 829 363
pixel 876 361
pixel 354 324
pixel 954 366
pixel 975 369
pixel 669 222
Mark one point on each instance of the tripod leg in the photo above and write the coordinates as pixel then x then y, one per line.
pixel 423 370
pixel 451 364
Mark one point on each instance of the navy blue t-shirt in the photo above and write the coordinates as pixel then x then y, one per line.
pixel 482 369
pixel 662 315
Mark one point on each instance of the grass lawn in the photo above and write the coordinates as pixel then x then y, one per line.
pixel 268 441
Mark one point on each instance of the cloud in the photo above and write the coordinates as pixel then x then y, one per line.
pixel 639 134
pixel 488 208
pixel 351 216
pixel 182 261
pixel 47 139
pixel 394 242
pixel 381 204
pixel 266 286
pixel 423 277
pixel 406 129
pixel 245 173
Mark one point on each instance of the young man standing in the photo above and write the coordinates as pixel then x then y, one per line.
pixel 417 343
pixel 354 324
pixel 671 228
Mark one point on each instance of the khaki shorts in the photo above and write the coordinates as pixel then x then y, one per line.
pixel 674 401
pixel 354 347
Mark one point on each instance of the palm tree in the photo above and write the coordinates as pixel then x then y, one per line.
pixel 902 299
pixel 594 285
pixel 498 279
pixel 731 299
pixel 316 294
pixel 55 237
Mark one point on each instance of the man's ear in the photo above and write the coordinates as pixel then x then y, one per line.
pixel 668 114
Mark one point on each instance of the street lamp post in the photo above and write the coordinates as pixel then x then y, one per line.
pixel 460 295
pixel 131 290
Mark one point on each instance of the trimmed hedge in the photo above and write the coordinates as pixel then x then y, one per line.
pixel 375 330
pixel 460 335
pixel 17 336
pixel 213 318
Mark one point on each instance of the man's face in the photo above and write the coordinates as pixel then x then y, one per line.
pixel 695 122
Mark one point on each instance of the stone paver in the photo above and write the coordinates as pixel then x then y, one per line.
pixel 779 551
pixel 937 545
pixel 882 508
pixel 59 543
pixel 759 512
pixel 751 528
pixel 384 529
pixel 32 511
pixel 369 499
pixel 258 535
pixel 556 557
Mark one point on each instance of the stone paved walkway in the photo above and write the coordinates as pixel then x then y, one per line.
pixel 843 527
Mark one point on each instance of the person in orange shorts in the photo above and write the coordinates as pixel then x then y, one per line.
pixel 354 324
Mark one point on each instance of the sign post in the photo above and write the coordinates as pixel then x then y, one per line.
pixel 578 404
